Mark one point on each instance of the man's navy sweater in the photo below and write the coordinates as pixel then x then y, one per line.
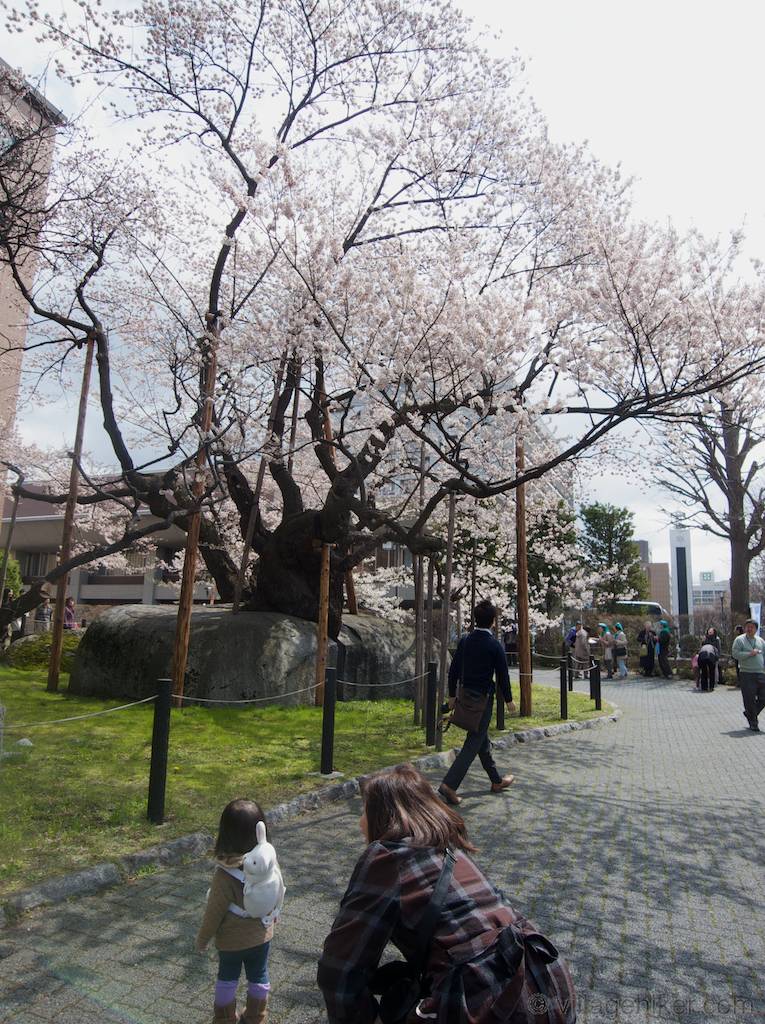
pixel 483 656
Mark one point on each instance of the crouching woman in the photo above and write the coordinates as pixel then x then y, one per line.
pixel 470 958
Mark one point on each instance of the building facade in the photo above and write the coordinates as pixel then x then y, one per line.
pixel 681 571
pixel 36 541
pixel 23 111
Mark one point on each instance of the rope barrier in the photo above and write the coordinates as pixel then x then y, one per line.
pixel 254 700
pixel 379 686
pixel 78 718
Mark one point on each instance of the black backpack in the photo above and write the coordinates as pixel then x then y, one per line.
pixel 537 989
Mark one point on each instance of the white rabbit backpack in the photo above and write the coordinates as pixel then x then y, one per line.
pixel 263 883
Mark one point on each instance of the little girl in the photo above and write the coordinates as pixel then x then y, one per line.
pixel 241 940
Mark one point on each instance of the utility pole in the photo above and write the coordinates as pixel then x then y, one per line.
pixel 65 553
pixel 522 583
pixel 186 600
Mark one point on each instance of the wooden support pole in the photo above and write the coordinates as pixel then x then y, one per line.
pixel 419 645
pixel 253 516
pixel 429 614
pixel 293 425
pixel 472 584
pixel 65 553
pixel 9 539
pixel 350 593
pixel 420 660
pixel 186 599
pixel 445 619
pixel 322 634
pixel 522 585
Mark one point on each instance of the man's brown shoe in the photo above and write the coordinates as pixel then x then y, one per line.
pixel 497 787
pixel 449 795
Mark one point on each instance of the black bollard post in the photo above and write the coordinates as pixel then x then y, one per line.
pixel 570 663
pixel 160 740
pixel 563 690
pixel 591 674
pixel 597 686
pixel 430 704
pixel 500 709
pixel 328 722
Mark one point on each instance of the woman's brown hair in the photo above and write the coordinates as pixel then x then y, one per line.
pixel 401 803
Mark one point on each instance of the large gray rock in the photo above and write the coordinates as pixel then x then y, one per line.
pixel 239 657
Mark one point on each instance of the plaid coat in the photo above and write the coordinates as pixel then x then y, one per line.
pixel 390 887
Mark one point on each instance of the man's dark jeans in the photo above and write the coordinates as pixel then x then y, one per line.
pixel 753 692
pixel 475 743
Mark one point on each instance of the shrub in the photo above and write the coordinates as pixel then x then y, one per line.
pixel 13 576
pixel 34 651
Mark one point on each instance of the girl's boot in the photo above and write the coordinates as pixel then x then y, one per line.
pixel 224 1010
pixel 256 1010
pixel 224 1014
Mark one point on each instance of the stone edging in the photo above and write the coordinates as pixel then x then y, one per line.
pixel 104 876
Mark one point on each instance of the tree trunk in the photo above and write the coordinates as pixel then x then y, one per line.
pixel 289 571
pixel 739 579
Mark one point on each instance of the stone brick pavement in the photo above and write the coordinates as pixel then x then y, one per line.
pixel 638 847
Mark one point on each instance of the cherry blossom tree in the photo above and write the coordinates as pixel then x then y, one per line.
pixel 356 208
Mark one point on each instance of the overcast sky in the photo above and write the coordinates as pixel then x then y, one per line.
pixel 674 91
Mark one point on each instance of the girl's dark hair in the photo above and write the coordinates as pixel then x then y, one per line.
pixel 236 831
pixel 402 803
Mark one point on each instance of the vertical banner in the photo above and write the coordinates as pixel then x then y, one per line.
pixel 756 609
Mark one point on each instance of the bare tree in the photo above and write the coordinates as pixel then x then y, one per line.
pixel 711 461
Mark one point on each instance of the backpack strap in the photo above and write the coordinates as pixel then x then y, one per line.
pixel 432 912
pixel 234 908
pixel 234 872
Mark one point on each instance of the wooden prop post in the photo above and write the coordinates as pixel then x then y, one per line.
pixel 419 646
pixel 429 614
pixel 472 584
pixel 293 425
pixel 522 584
pixel 186 599
pixel 57 627
pixel 350 593
pixel 9 538
pixel 253 516
pixel 445 620
pixel 419 610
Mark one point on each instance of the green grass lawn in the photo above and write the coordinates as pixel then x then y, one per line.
pixel 78 795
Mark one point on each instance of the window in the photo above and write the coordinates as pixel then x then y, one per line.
pixel 33 563
pixel 7 138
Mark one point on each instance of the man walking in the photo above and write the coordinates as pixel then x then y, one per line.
pixel 479 656
pixel 748 651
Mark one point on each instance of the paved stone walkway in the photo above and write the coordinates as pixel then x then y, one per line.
pixel 638 847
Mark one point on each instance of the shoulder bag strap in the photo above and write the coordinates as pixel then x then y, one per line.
pixel 432 912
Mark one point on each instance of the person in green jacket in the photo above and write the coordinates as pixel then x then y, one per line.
pixel 749 652
pixel 663 642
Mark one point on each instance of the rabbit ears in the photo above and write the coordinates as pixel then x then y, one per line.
pixel 260 832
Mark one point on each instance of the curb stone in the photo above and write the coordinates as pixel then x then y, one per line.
pixel 105 876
